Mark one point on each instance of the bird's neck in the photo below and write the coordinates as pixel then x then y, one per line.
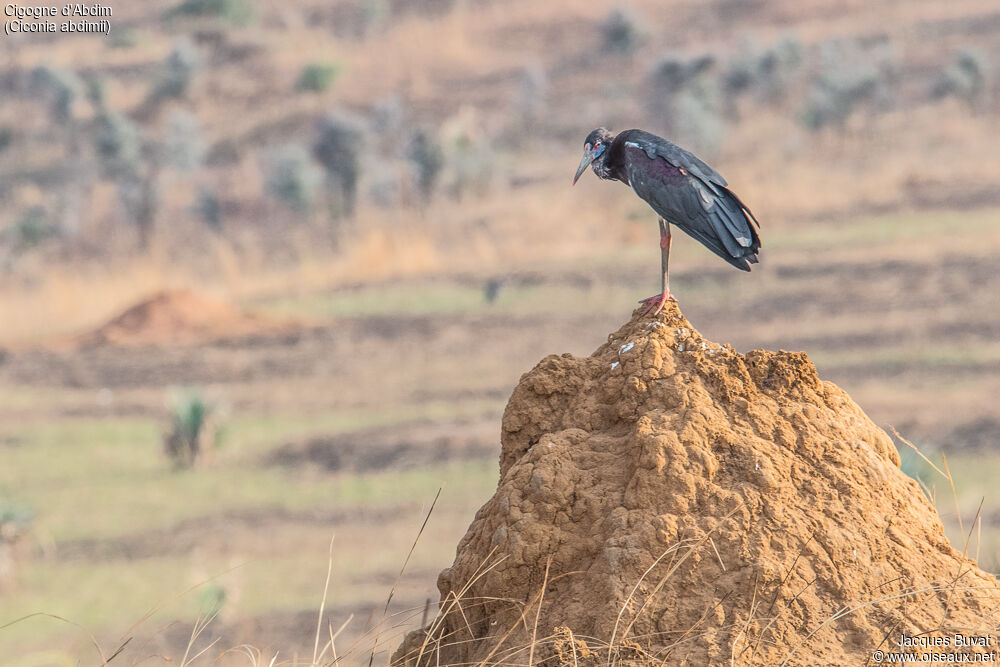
pixel 609 164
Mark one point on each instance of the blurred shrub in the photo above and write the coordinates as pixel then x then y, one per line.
pixel 193 430
pixel 767 73
pixel 209 208
pixel 966 78
pixel 914 466
pixel 687 101
pixel 237 12
pixel 211 598
pixel 97 93
pixel 620 30
pixel 30 230
pixel 120 150
pixel 338 148
pixel 123 38
pixel 177 74
pixel 532 91
pixel 61 86
pixel 374 16
pixel 6 138
pixel 428 159
pixel 317 77
pixel 388 126
pixel 182 147
pixel 117 142
pixel 469 156
pixel 847 79
pixel 139 193
pixel 14 522
pixel 292 178
pixel 673 71
pixel 13 514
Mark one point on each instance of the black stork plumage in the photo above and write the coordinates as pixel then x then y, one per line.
pixel 683 191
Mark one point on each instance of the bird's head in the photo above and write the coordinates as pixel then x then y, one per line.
pixel 593 148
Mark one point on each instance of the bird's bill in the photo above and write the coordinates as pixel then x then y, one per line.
pixel 588 157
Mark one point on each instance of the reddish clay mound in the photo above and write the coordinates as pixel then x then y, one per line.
pixel 178 316
pixel 697 506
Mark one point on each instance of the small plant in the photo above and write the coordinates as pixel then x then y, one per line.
pixel 14 521
pixel 123 39
pixel 532 91
pixel 31 229
pixel 292 177
pixel 965 79
pixel 139 193
pixel 194 428
pixel 338 149
pixel 117 142
pixel 209 209
pixel 428 159
pixel 97 94
pixel 620 30
pixel 237 12
pixel 768 73
pixel 121 153
pixel 673 71
pixel 835 94
pixel 374 15
pixel 6 138
pixel 177 75
pixel 62 87
pixel 848 79
pixel 317 77
pixel 686 101
pixel 182 147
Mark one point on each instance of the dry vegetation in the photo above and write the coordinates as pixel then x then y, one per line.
pixel 879 227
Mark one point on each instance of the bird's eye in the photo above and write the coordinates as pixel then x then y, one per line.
pixel 597 145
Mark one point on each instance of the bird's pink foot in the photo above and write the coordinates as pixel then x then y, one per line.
pixel 655 304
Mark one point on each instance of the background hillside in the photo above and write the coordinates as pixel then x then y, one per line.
pixel 349 228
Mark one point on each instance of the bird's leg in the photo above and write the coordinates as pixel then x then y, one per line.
pixel 656 303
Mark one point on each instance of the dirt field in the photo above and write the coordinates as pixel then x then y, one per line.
pixel 305 457
pixel 361 363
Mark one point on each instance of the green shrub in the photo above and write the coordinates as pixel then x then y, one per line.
pixel 177 74
pixel 182 147
pixel 209 208
pixel 620 30
pixel 338 149
pixel 292 177
pixel 14 522
pixel 965 79
pixel 97 93
pixel 117 142
pixel 768 72
pixel 686 100
pixel 237 12
pixel 12 513
pixel 673 71
pixel 193 430
pixel 317 77
pixel 849 77
pixel 62 87
pixel 30 229
pixel 835 94
pixel 428 159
